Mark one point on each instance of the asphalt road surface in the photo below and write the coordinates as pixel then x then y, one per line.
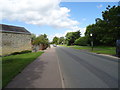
pixel 81 69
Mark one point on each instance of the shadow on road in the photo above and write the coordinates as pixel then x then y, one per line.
pixel 29 75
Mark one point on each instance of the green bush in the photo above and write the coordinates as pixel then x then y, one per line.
pixel 22 52
pixel 82 41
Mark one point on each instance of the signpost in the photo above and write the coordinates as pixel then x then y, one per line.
pixel 91 41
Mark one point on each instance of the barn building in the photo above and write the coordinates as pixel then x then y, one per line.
pixel 14 39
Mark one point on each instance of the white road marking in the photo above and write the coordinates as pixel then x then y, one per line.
pixel 61 76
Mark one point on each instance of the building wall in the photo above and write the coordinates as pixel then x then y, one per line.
pixel 14 43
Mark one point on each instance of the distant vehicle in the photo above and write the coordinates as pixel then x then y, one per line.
pixel 118 48
pixel 54 45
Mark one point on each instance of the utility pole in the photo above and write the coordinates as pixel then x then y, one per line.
pixel 91 41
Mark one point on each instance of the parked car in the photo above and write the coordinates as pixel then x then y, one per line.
pixel 54 45
pixel 118 48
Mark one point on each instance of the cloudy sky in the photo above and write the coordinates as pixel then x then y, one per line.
pixel 52 17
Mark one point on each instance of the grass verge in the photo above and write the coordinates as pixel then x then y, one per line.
pixel 14 64
pixel 97 49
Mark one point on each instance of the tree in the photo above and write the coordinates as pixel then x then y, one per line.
pixel 107 30
pixel 33 36
pixel 41 39
pixel 82 41
pixel 71 37
pixel 61 40
pixel 55 40
pixel 97 31
pixel 112 17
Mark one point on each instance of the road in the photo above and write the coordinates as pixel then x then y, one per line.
pixel 81 69
pixel 41 73
pixel 62 67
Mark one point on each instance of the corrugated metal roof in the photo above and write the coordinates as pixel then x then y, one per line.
pixel 14 29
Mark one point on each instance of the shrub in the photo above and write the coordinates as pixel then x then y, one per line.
pixel 82 41
pixel 22 52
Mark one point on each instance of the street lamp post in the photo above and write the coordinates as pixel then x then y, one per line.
pixel 91 40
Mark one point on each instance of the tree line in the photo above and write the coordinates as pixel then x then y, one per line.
pixel 104 32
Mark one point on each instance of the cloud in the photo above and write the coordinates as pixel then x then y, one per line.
pixel 74 29
pixel 37 12
pixel 99 6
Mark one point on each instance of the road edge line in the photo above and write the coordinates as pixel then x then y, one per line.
pixel 61 76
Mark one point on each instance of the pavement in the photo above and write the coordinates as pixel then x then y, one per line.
pixel 44 72
pixel 81 69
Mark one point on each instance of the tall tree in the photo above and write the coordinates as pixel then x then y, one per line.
pixel 61 40
pixel 112 17
pixel 72 36
pixel 55 40
pixel 41 39
pixel 33 37
pixel 107 30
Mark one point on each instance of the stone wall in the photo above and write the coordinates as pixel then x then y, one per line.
pixel 12 42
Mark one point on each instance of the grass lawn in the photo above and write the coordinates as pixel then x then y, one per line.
pixel 14 64
pixel 105 50
pixel 97 49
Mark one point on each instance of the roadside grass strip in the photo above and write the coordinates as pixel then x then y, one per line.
pixel 97 49
pixel 14 64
